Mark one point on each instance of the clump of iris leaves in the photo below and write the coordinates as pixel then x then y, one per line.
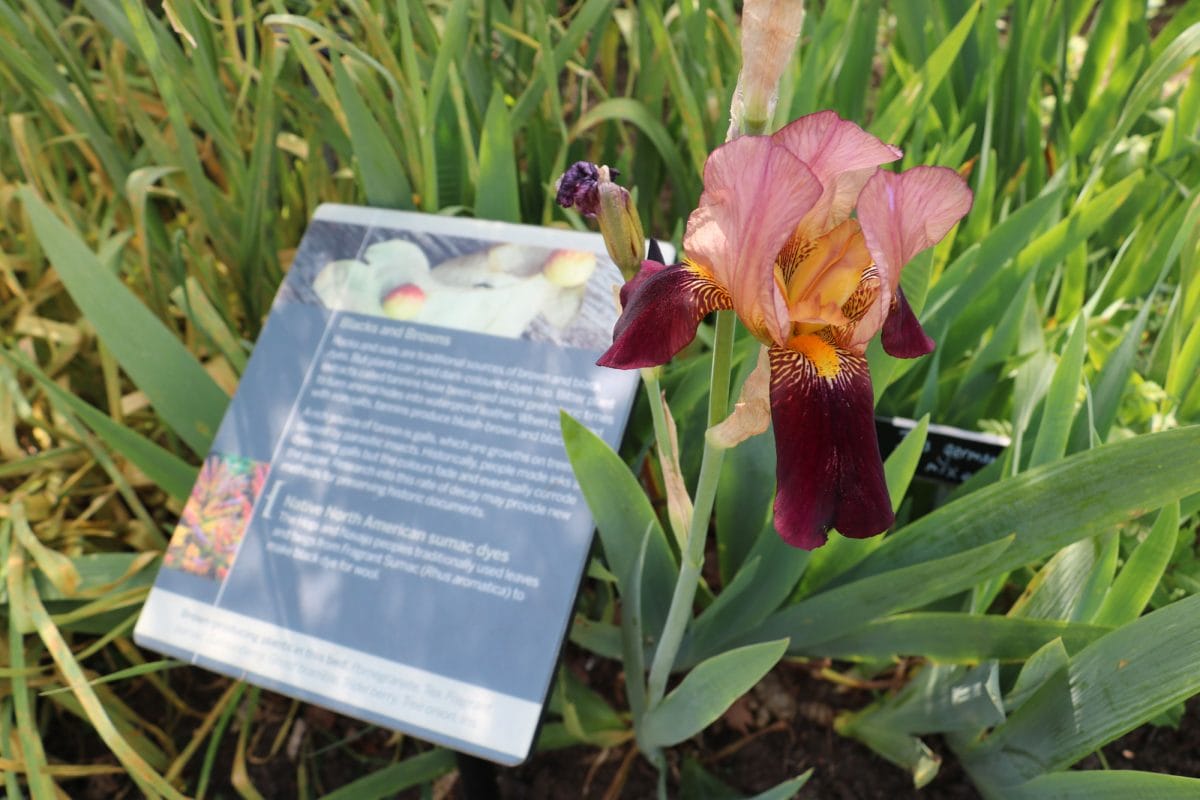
pixel 158 167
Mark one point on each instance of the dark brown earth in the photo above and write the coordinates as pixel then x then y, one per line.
pixel 779 730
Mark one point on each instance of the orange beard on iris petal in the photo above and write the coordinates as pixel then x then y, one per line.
pixel 819 351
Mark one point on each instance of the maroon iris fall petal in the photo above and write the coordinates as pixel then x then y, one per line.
pixel 829 471
pixel 652 265
pixel 903 336
pixel 631 287
pixel 663 304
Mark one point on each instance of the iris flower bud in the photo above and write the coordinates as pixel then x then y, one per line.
pixel 770 29
pixel 590 190
pixel 622 228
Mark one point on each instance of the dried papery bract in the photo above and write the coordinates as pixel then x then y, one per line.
pixel 751 414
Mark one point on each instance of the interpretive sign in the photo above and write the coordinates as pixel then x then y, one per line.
pixel 387 523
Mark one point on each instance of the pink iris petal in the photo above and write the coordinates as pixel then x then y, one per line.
pixel 755 192
pixel 663 306
pixel 902 214
pixel 842 156
pixel 829 471
pixel 903 336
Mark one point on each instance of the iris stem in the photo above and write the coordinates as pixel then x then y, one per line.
pixel 692 557
pixel 722 366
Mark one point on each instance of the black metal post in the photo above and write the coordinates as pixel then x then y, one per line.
pixel 477 777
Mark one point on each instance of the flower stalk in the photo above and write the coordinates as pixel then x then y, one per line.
pixel 692 556
pixel 766 30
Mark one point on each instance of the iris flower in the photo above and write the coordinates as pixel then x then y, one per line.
pixel 774 239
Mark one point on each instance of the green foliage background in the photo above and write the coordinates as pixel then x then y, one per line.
pixel 157 166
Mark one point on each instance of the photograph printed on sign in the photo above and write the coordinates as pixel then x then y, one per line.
pixel 516 291
pixel 216 515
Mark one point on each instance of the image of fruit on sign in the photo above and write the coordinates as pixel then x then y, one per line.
pixel 504 290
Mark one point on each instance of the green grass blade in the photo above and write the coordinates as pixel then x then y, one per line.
pixel 744 494
pixel 1138 579
pixel 707 692
pixel 944 697
pixel 761 585
pixel 452 46
pixel 183 394
pixel 1048 249
pixel 1110 384
pixel 968 274
pixel 587 17
pixel 8 737
pixel 496 195
pixel 32 749
pixel 902 749
pixel 1113 685
pixel 225 713
pixel 1105 39
pixel 1107 785
pixel 633 634
pixel 681 89
pixel 1071 583
pixel 1051 506
pixel 185 143
pixel 207 318
pixel 955 638
pixel 1146 91
pixel 623 513
pixel 1059 409
pixel 893 122
pixel 379 169
pixel 124 674
pixel 151 783
pixel 55 566
pixel 321 85
pixel 586 713
pixel 259 180
pixel 1038 668
pixel 40 69
pixel 168 471
pixel 397 777
pixel 832 613
pixel 785 790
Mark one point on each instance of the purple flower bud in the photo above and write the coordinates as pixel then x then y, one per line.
pixel 579 187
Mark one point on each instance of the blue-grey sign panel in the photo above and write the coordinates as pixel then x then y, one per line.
pixel 387 523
